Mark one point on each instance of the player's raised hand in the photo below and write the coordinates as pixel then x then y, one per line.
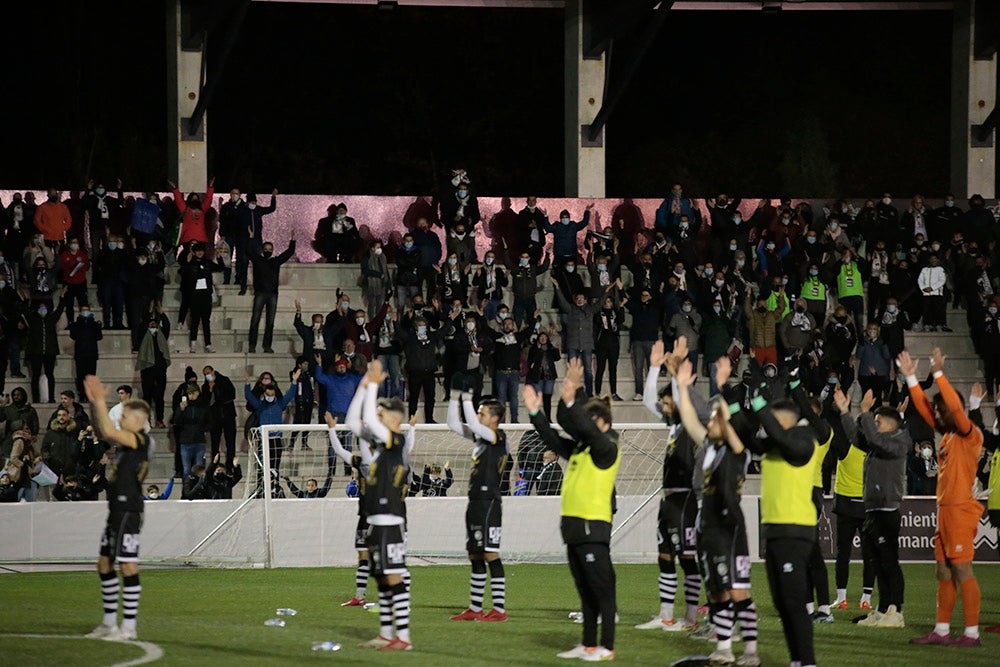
pixel 907 365
pixel 937 360
pixel 723 369
pixel 868 401
pixel 685 374
pixel 532 399
pixel 842 402
pixel 977 391
pixel 331 421
pixel 96 391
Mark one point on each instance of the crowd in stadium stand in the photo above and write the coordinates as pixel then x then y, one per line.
pixel 829 292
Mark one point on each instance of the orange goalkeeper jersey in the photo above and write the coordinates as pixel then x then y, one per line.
pixel 958 453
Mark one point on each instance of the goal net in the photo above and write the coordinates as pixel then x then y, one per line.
pixel 286 462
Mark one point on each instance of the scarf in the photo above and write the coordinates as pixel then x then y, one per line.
pixel 801 320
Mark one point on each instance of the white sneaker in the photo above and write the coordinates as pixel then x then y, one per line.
pixel 722 656
pixel 656 623
pixel 872 619
pixel 102 631
pixel 120 635
pixel 209 349
pixel 577 651
pixel 891 618
pixel 193 347
pixel 637 397
pixel 748 660
pixel 597 654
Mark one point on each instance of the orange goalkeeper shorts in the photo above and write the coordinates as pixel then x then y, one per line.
pixel 954 541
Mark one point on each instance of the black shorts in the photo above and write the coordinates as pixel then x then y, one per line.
pixel 386 550
pixel 678 520
pixel 361 533
pixel 483 525
pixel 120 541
pixel 724 558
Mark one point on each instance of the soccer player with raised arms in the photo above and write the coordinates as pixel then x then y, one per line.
pixel 120 542
pixel 958 511
pixel 483 517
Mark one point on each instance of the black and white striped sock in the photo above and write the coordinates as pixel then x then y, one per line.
pixel 722 619
pixel 401 611
pixel 498 586
pixel 746 614
pixel 130 601
pixel 361 579
pixel 109 596
pixel 692 593
pixel 385 611
pixel 668 592
pixel 477 585
pixel 406 580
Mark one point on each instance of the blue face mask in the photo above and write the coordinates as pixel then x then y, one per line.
pixel 709 271
pixel 112 246
pixel 832 381
pixel 811 240
pixel 422 330
pixel 524 261
pixel 462 194
pixel 43 311
pixel 813 272
pixel 99 191
pixel 949 204
pixel 452 261
pixel 570 269
pixel 408 245
pixel 87 314
pixel 565 221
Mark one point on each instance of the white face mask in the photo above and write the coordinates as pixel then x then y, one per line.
pixel 570 268
pixel 378 251
pixel 360 321
pixel 270 399
pixel 251 206
pixel 142 262
pixel 154 496
pixel 74 246
pixel 470 326
pixel 489 261
pixel 210 378
pixel 927 453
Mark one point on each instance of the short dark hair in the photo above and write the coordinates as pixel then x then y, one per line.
pixel 599 407
pixel 136 404
pixel 785 405
pixel 393 404
pixel 887 413
pixel 494 407
pixel 68 394
pixel 127 388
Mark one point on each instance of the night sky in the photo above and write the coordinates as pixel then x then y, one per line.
pixel 325 98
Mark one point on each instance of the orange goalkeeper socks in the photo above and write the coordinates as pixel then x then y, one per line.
pixel 946 595
pixel 970 601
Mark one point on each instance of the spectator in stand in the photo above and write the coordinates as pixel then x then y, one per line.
pixel 304 401
pixel 542 357
pixel 266 270
pixel 489 281
pixel 363 332
pixel 153 491
pixel 269 410
pixel 102 209
pixel 19 415
pixel 687 323
pixel 337 237
pixel 550 477
pixel 463 243
pixel 42 281
pixel 433 484
pixel 849 272
pixel 609 322
pixel 841 336
pixel 669 213
pixel 796 334
pixel 564 236
pixel 74 263
pixel 524 283
pixel 194 484
pixel 419 345
pixel 152 364
pixel 978 220
pixel 19 224
pixel 376 282
pixel 507 347
pixel 878 279
pixel 67 401
pixel 887 218
pixel 762 323
pixel 230 214
pixel 249 232
pixel 313 489
pixel 341 385
pixel 429 245
pixel 53 219
pixel 110 270
pixel 647 315
pixel 196 276
pixel 142 288
pixel 43 346
pixel 60 451
pixel 37 250
pixel 932 281
pixel 408 272
pixel 85 332
pixel 453 279
pixel 604 269
pixel 190 378
pixel 893 322
pixel 568 283
pixel 315 338
pixel 531 224
pixel 8 488
pixel 337 319
pixel 718 329
pixel 461 206
pixel 388 351
pixel 875 369
pixel 922 469
pixel 219 394
pixel 221 479
pixel 944 219
pixel 193 209
pixel 578 334
pixel 191 422
pixel 473 345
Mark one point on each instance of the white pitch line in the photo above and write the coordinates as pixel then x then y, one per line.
pixel 152 652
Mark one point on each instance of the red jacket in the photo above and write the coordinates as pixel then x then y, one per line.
pixel 193 224
pixel 74 266
pixel 53 220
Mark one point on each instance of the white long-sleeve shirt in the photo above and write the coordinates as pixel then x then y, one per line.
pixel 933 277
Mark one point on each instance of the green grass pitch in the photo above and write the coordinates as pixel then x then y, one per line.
pixel 216 617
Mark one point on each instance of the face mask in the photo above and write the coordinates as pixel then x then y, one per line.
pixel 993 310
pixel 678 272
pixel 345 304
pixel 54 198
pixel 732 248
pixel 470 325
pixel 935 247
pixel 580 301
pixel 38 241
pixel 340 216
pixel 74 246
pixel 408 245
pixel 43 311
pixel 317 325
pixel 737 219
pixel 740 263
pixel 686 308
pixel 99 191
pixel 949 204
pixel 251 206
pixel 142 261
pixel 800 309
pixel 504 316
pixel 602 267
pixel 422 330
pixel 234 198
pixel 927 453
pixel 761 309
pixel 153 330
pixel 210 378
pixel 832 381
pixel 709 271
pixel 459 235
pixel 270 399
pixel 452 261
pixel 112 246
pixel 717 309
pixel 810 240
pixel 814 272
pixel 891 308
pixel 524 261
pixel 720 282
pixel 462 194
pixel 833 226
pixel 565 221
pixel 154 496
pixel 378 251
pixel 784 281
pixel 3 283
pixel 87 314
pixel 872 334
pixel 770 246
pixel 886 201
pixel 489 261
pixel 570 268
pixel 266 254
pixel 684 225
pixel 360 321
pixel 786 221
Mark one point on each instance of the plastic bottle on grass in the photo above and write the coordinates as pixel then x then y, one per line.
pixel 285 611
pixel 275 622
pixel 371 606
pixel 326 646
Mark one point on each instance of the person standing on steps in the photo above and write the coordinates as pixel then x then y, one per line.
pixel 249 231
pixel 266 270
pixel 196 276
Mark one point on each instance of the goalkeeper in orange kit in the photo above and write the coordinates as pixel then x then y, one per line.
pixel 958 511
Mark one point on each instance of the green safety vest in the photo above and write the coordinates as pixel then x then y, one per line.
pixel 586 489
pixel 850 281
pixel 786 491
pixel 814 289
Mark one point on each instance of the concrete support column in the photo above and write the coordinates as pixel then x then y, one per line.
pixel 584 86
pixel 187 153
pixel 974 94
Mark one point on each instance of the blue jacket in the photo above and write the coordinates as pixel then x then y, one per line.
pixel 666 220
pixel 247 217
pixel 429 245
pixel 873 354
pixel 340 389
pixel 564 236
pixel 270 413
